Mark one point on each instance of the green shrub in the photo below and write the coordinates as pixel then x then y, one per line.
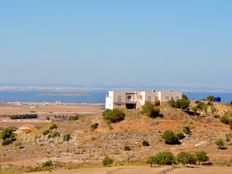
pixel 145 143
pixel 67 137
pixel 201 156
pixel 152 160
pixel 53 126
pixel 225 118
pixel 47 164
pixel 228 136
pixel 53 134
pixel 220 143
pixel 180 103
pixel 113 116
pixel 151 110
pixel 94 126
pixel 74 117
pixel 127 148
pixel 107 161
pixel 230 124
pixel 185 158
pixel 7 141
pixel 163 158
pixel 180 135
pixel 202 106
pixel 45 132
pixel 8 136
pixel 210 98
pixel 169 137
pixel 187 130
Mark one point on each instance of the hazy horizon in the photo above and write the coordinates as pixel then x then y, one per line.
pixel 116 43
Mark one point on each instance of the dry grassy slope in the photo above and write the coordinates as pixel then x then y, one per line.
pixel 92 146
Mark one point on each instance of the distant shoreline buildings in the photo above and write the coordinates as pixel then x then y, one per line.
pixel 136 99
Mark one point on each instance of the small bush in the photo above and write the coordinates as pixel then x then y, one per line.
pixel 47 164
pixel 210 98
pixel 185 158
pixel 187 130
pixel 94 126
pixel 8 136
pixel 53 126
pixel 220 143
pixel 180 103
pixel 45 132
pixel 113 116
pixel 225 119
pixel 201 156
pixel 202 106
pixel 169 137
pixel 67 137
pixel 107 161
pixel 228 136
pixel 53 134
pixel 180 135
pixel 127 148
pixel 230 124
pixel 7 141
pixel 151 110
pixel 74 117
pixel 145 143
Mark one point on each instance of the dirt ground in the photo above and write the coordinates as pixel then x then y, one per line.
pixel 144 170
pixel 40 108
pixel 91 146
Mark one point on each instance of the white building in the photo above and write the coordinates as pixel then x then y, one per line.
pixel 136 99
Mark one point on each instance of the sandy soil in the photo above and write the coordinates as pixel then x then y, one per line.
pixel 145 170
pixel 203 170
pixel 49 109
pixel 110 170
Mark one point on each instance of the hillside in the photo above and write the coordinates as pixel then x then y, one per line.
pixel 91 146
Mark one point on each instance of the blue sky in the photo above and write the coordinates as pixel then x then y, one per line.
pixel 119 42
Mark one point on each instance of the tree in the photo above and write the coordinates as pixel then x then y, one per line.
pixel 107 161
pixel 166 158
pixel 201 156
pixel 170 137
pixel 186 158
pixel 113 116
pixel 152 160
pixel 220 143
pixel 151 110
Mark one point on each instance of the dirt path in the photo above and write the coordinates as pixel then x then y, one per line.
pixel 203 170
pixel 144 170
pixel 110 170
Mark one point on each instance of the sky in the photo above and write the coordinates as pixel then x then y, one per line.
pixel 119 42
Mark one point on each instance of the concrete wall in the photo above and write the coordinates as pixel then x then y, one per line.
pixel 165 96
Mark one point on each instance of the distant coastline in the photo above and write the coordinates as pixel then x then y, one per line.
pixel 85 97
